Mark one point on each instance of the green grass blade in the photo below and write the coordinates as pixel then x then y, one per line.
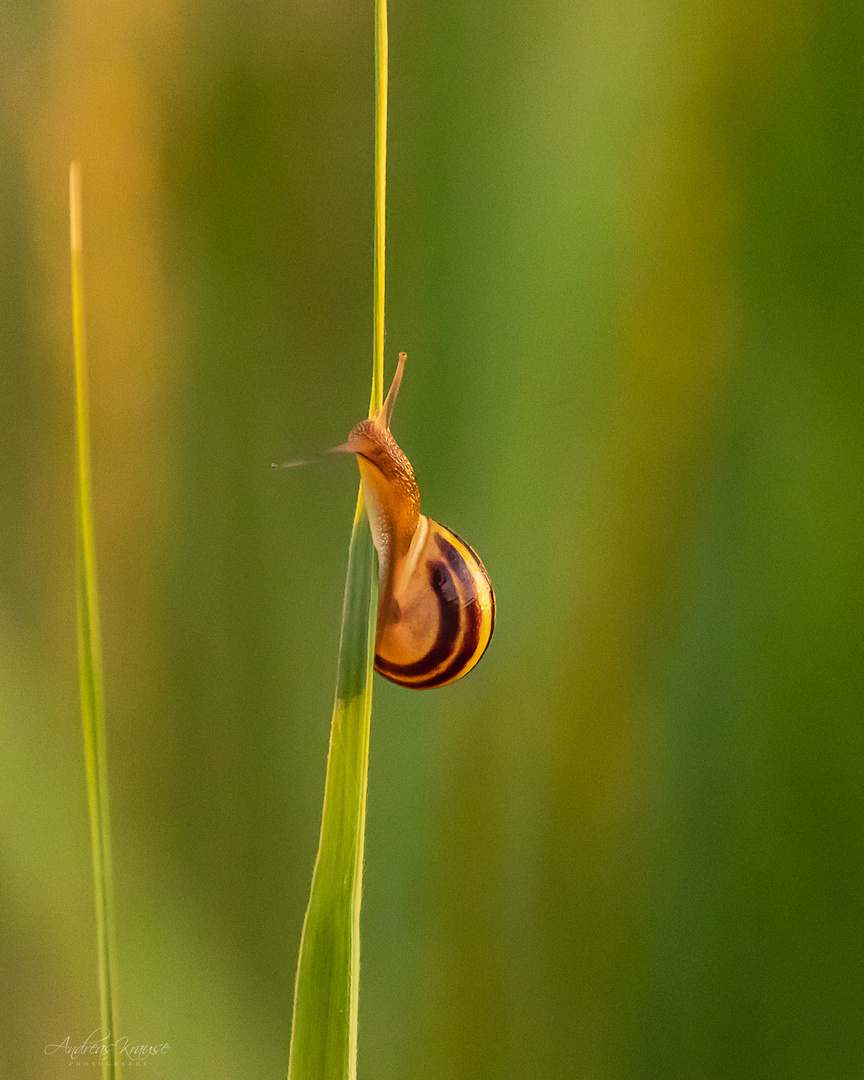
pixel 324 1035
pixel 324 1032
pixel 89 646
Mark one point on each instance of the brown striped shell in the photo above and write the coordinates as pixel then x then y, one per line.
pixel 436 608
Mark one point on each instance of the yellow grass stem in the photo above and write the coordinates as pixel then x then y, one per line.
pixel 90 650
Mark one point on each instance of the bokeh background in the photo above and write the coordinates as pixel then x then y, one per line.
pixel 626 261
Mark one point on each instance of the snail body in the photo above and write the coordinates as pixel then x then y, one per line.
pixel 436 607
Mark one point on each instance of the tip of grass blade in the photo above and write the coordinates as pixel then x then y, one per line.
pixel 75 206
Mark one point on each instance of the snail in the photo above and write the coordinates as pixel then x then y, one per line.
pixel 436 607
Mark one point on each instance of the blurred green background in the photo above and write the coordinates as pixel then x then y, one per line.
pixel 626 261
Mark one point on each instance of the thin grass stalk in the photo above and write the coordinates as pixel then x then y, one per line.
pixel 324 1030
pixel 380 203
pixel 90 649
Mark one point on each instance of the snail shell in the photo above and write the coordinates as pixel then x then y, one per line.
pixel 436 607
